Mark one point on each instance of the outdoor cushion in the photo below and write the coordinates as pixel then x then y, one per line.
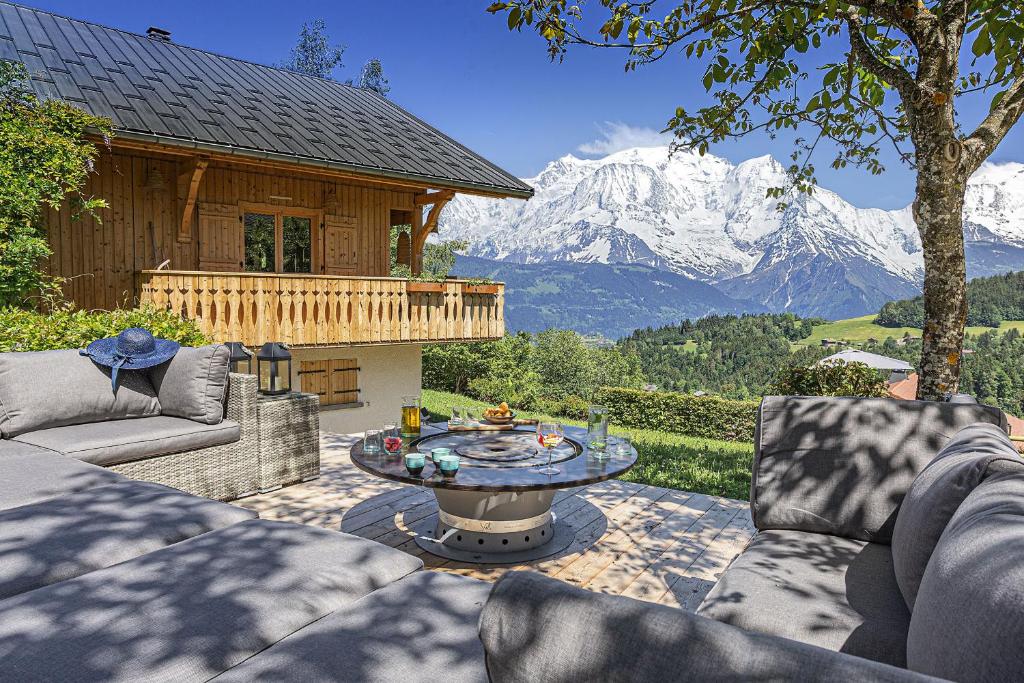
pixel 193 383
pixel 29 474
pixel 828 591
pixel 193 609
pixel 110 443
pixel 420 628
pixel 969 613
pixel 65 537
pixel 840 466
pixel 535 628
pixel 937 493
pixel 44 389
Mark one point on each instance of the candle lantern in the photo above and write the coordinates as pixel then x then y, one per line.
pixel 239 355
pixel 275 369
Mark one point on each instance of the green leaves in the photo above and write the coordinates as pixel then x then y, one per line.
pixel 44 161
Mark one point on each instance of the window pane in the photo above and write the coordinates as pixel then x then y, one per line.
pixel 259 243
pixel 297 241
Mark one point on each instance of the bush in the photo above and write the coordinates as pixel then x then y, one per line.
pixel 709 417
pixel 22 330
pixel 836 378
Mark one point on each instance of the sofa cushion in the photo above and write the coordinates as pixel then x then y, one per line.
pixel 828 591
pixel 938 491
pixel 194 609
pixel 65 537
pixel 420 628
pixel 840 466
pixel 193 383
pixel 110 443
pixel 536 628
pixel 969 613
pixel 44 389
pixel 29 474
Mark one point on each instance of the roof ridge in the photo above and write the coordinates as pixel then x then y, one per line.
pixel 171 43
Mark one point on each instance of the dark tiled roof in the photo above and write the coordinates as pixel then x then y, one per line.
pixel 177 95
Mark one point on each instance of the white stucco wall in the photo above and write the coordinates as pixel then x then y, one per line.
pixel 386 373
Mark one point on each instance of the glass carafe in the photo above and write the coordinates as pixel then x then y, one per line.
pixel 597 428
pixel 410 416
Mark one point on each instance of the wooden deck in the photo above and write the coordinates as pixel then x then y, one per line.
pixel 646 542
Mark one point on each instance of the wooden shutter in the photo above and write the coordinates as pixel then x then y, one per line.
pixel 221 239
pixel 344 380
pixel 340 245
pixel 334 381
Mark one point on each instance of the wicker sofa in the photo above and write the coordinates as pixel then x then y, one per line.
pixel 890 547
pixel 188 423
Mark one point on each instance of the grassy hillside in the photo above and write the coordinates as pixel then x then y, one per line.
pixel 718 468
pixel 859 330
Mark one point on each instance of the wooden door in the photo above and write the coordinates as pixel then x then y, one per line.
pixel 221 242
pixel 340 245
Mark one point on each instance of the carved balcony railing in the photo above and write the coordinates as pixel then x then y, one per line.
pixel 255 308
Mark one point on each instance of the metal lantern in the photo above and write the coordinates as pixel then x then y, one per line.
pixel 275 369
pixel 239 355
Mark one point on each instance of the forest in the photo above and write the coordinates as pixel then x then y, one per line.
pixel 990 301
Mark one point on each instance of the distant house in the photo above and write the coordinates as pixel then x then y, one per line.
pixel 896 368
pixel 261 203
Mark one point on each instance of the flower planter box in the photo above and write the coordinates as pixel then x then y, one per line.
pixel 424 287
pixel 479 289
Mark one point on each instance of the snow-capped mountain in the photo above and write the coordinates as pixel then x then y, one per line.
pixel 710 220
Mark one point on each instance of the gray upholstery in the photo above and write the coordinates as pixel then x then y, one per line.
pixel 193 383
pixel 421 628
pixel 29 474
pixel 44 389
pixel 836 593
pixel 65 537
pixel 938 491
pixel 110 443
pixel 840 466
pixel 542 630
pixel 969 614
pixel 194 609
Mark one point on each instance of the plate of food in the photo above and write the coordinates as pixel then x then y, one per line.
pixel 502 415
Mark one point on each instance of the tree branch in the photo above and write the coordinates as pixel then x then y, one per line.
pixel 990 132
pixel 899 77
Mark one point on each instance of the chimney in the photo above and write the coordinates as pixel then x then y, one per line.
pixel 158 34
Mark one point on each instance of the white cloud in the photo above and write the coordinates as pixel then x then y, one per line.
pixel 616 136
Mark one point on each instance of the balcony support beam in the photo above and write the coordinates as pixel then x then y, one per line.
pixel 420 234
pixel 188 190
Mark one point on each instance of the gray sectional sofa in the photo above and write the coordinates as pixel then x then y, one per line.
pixel 186 423
pixel 890 546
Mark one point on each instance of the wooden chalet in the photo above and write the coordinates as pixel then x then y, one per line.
pixel 261 203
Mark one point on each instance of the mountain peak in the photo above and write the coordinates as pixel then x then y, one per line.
pixel 708 219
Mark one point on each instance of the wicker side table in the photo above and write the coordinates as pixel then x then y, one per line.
pixel 289 427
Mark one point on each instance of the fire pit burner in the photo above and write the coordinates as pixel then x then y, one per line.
pixel 508 449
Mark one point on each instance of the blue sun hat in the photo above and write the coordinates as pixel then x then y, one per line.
pixel 134 349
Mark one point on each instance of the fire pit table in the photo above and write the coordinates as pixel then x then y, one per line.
pixel 497 508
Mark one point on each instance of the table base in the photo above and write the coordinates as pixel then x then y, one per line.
pixel 493 528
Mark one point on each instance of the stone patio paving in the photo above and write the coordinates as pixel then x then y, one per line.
pixel 646 542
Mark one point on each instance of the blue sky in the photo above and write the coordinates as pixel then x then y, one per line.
pixel 460 69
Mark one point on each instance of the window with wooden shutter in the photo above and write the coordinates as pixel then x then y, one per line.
pixel 335 381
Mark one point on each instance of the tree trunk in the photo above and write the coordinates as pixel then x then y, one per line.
pixel 938 211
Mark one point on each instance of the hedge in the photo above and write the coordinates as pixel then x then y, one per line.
pixel 709 417
pixel 22 330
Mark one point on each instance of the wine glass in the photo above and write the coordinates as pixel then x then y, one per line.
pixel 549 435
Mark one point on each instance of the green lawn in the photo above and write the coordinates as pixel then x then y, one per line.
pixel 720 468
pixel 859 330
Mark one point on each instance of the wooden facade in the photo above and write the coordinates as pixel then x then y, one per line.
pixel 185 215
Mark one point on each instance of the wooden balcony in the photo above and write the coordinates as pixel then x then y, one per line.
pixel 327 310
